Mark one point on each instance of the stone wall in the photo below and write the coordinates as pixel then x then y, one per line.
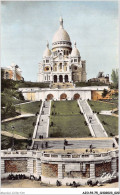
pixel 77 174
pixel 102 168
pixel 34 166
pixel 15 166
pixel 117 165
pixel 49 170
pixel 96 95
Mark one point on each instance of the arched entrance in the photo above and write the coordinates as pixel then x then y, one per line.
pixel 50 96
pixel 61 78
pixel 55 78
pixel 66 78
pixel 63 96
pixel 76 96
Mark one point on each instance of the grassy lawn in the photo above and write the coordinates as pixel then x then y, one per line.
pixel 67 122
pixel 99 105
pixel 32 107
pixel 111 125
pixel 6 142
pixel 23 127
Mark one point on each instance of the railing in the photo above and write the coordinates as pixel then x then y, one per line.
pixel 50 156
pixel 38 118
pixel 79 156
pixel 20 153
pixel 48 119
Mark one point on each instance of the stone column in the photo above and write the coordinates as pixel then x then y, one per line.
pixel 57 78
pixel 30 166
pixel 2 166
pixel 60 174
pixel 69 78
pixel 114 165
pixel 38 168
pixel 62 67
pixel 92 170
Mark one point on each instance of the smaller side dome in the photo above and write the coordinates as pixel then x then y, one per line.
pixel 75 52
pixel 47 52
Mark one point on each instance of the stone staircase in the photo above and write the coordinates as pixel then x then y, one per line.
pixel 43 123
pixel 62 85
pixel 94 124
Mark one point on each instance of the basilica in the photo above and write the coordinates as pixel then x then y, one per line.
pixel 62 63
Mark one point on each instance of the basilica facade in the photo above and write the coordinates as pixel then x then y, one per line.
pixel 62 63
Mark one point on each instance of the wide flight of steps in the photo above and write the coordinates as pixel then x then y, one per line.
pixel 62 85
pixel 94 124
pixel 43 123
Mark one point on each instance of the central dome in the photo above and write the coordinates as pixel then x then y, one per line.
pixel 61 34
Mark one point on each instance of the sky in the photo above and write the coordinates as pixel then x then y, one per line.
pixel 26 26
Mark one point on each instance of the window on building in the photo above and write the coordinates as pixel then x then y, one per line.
pixel 47 61
pixel 60 65
pixel 7 75
pixel 75 60
pixel 75 67
pixel 72 60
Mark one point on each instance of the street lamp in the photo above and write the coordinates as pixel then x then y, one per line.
pixel 12 136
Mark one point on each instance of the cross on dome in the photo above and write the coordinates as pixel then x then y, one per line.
pixel 61 22
pixel 47 44
pixel 75 44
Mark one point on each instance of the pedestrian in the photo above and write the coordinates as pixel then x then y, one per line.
pixel 90 145
pixel 113 145
pixel 46 144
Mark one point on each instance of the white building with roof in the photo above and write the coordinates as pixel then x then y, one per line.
pixel 62 63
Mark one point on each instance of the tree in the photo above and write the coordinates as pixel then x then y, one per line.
pixel 105 92
pixel 114 77
pixel 2 73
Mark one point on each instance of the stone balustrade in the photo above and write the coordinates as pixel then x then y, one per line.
pixel 39 154
pixel 79 157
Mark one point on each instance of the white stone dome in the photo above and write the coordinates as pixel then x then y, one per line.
pixel 61 34
pixel 47 52
pixel 75 52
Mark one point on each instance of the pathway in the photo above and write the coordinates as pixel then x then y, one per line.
pixel 18 117
pixel 94 124
pixel 25 103
pixel 78 143
pixel 22 103
pixel 16 136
